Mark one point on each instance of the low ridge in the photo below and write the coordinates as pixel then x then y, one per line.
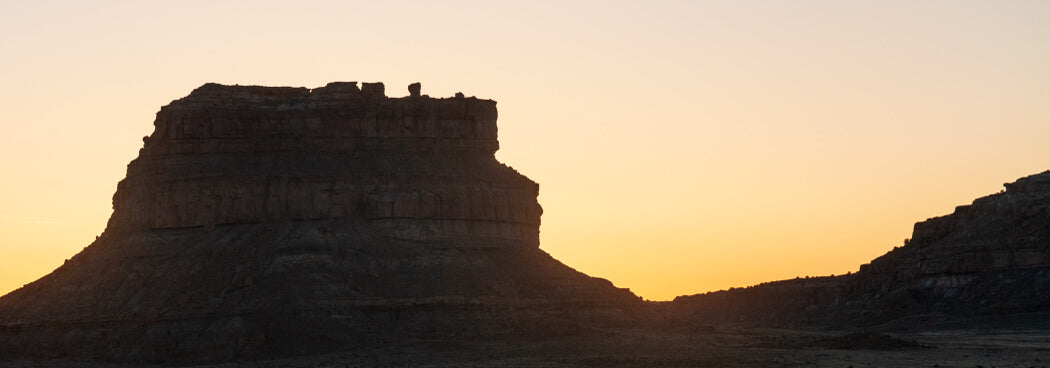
pixel 990 258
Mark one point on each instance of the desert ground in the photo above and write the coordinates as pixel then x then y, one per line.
pixel 717 347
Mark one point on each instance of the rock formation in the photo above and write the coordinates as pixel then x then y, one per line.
pixel 260 222
pixel 271 221
pixel 987 259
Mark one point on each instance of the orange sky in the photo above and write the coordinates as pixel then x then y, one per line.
pixel 680 146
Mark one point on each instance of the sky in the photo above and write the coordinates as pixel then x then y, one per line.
pixel 680 146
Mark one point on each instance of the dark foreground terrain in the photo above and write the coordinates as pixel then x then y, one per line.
pixel 721 347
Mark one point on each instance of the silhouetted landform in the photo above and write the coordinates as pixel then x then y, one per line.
pixel 262 221
pixel 990 259
pixel 278 222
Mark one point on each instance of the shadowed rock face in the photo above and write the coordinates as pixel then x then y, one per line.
pixel 420 168
pixel 271 221
pixel 990 258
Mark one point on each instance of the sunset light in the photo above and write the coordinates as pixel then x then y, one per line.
pixel 680 146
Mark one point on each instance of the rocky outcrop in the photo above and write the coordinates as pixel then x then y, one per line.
pixel 420 167
pixel 989 258
pixel 271 221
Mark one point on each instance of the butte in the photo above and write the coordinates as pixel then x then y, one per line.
pixel 273 221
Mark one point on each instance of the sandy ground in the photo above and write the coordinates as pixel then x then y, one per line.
pixel 721 348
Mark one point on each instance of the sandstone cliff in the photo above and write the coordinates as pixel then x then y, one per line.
pixel 271 221
pixel 990 258
pixel 422 168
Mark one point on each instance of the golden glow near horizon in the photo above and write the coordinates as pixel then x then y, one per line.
pixel 680 146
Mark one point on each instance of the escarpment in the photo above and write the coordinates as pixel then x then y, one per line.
pixel 987 259
pixel 423 168
pixel 262 221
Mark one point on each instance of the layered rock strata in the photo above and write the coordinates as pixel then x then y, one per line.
pixel 422 168
pixel 990 258
pixel 264 221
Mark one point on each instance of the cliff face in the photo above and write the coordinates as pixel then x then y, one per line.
pixel 270 221
pixel 990 258
pixel 421 168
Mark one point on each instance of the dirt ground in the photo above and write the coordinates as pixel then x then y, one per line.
pixel 717 348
